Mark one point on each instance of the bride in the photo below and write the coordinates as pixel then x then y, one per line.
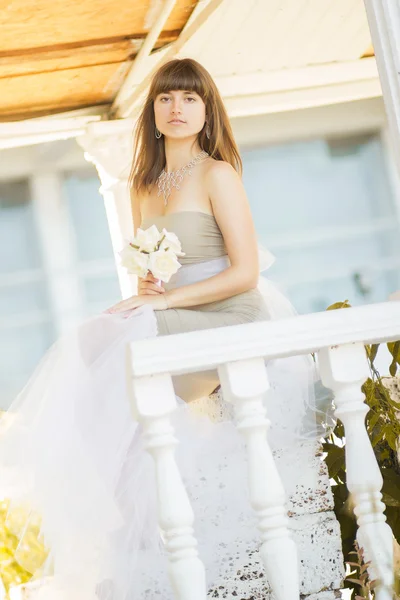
pixel 70 450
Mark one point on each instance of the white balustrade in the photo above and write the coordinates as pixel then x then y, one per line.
pixel 239 353
pixel 344 369
pixel 245 384
pixel 153 402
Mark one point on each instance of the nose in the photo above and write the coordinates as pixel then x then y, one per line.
pixel 176 108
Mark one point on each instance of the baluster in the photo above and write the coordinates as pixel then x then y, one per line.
pixel 153 402
pixel 244 384
pixel 344 369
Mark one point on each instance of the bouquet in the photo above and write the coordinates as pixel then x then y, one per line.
pixel 154 251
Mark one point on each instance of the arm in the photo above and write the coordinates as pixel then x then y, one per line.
pixel 232 213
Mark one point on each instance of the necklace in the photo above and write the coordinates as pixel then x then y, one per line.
pixel 173 179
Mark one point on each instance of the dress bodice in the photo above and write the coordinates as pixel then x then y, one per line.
pixel 198 232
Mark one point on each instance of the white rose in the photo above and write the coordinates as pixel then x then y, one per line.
pixel 163 264
pixel 171 242
pixel 134 261
pixel 147 239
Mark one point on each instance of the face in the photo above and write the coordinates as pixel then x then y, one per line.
pixel 179 114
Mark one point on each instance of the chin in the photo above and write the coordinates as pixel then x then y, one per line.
pixel 181 135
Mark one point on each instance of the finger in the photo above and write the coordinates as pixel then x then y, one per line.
pixel 119 308
pixel 149 278
pixel 153 288
pixel 149 293
pixel 144 289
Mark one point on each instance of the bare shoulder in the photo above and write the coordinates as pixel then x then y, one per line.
pixel 224 185
pixel 219 171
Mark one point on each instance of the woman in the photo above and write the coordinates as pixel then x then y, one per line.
pixel 183 120
pixel 72 451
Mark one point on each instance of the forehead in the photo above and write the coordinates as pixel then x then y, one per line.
pixel 178 92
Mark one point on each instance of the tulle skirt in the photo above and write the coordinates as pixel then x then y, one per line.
pixel 71 453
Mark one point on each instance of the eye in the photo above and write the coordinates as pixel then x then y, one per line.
pixel 191 99
pixel 164 98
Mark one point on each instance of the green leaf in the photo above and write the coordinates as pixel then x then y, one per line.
pixel 394 349
pixel 373 351
pixel 335 459
pixel 373 420
pixel 393 368
pixel 339 430
pixel 391 487
pixel 393 519
pixel 378 437
pixel 337 305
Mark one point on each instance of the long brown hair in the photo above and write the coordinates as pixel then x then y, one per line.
pixel 149 152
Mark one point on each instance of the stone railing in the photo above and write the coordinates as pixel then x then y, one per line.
pixel 239 354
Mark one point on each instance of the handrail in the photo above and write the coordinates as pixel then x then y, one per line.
pixel 207 349
pixel 239 353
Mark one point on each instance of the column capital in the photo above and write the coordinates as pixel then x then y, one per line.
pixel 109 146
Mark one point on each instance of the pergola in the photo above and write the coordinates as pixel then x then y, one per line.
pixel 80 69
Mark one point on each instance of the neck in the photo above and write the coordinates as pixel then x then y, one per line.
pixel 179 153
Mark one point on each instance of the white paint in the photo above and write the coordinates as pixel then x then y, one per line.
pixel 38 131
pixel 384 23
pixel 344 369
pixel 153 401
pixel 310 123
pixel 244 384
pixel 203 350
pixel 238 352
pixel 108 145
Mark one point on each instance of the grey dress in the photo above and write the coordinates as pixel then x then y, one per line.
pixel 203 245
pixel 205 256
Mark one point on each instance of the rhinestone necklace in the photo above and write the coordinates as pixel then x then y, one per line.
pixel 173 179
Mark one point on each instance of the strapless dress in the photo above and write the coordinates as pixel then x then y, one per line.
pixel 205 255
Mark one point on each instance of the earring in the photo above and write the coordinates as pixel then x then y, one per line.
pixel 208 131
pixel 157 133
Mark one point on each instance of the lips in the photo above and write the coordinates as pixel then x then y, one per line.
pixel 176 122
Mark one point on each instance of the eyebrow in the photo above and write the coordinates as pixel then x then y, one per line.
pixel 184 91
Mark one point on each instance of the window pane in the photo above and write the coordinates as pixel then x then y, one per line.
pixel 26 330
pixel 88 215
pixel 325 209
pixel 19 241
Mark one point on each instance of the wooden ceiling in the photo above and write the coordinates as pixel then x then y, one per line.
pixel 58 55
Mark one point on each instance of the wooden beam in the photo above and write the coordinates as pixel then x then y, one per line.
pixel 38 131
pixel 203 10
pixel 294 89
pixel 145 50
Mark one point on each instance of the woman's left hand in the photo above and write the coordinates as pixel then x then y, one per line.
pixel 158 302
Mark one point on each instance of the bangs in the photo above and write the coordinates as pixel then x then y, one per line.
pixel 179 76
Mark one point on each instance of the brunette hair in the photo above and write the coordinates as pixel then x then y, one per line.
pixel 149 152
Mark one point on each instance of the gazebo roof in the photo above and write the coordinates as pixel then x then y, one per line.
pixel 58 56
pixel 65 64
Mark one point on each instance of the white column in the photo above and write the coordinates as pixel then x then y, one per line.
pixel 384 23
pixel 108 145
pixel 58 249
pixel 244 384
pixel 344 369
pixel 153 401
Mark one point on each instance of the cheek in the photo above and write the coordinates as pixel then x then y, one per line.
pixel 160 110
pixel 198 115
